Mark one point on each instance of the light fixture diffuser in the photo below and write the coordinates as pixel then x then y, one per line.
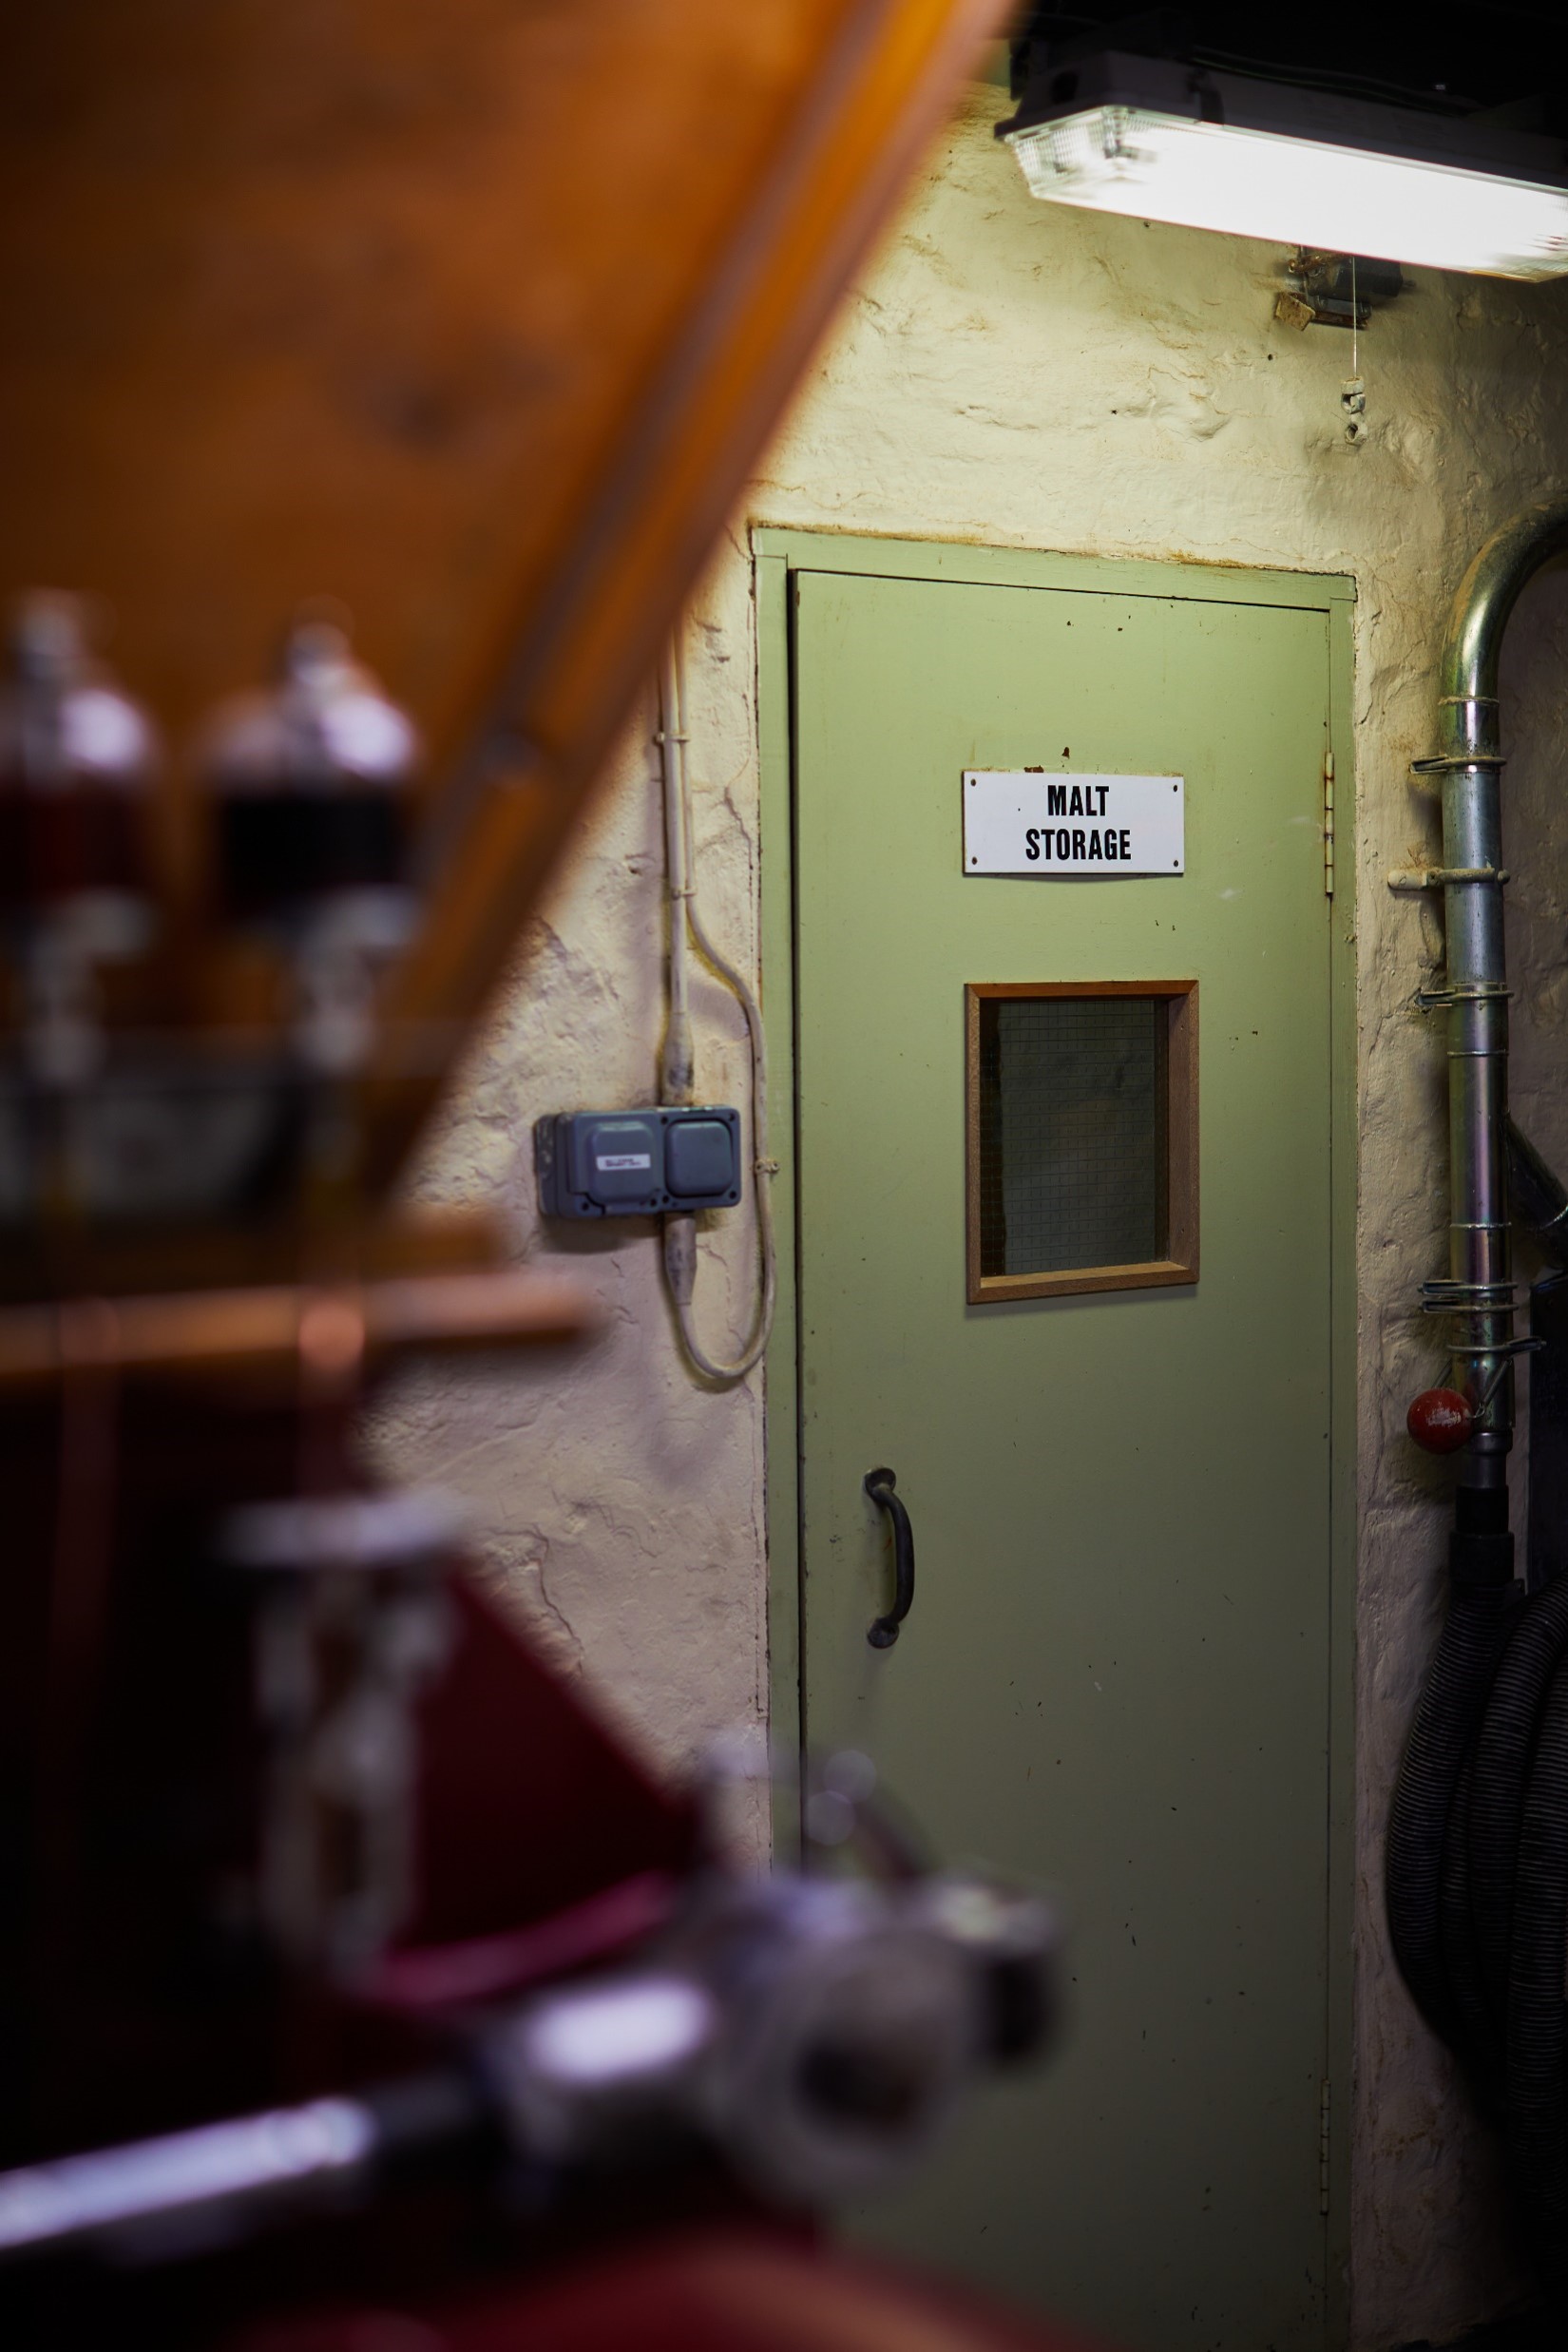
pixel 1392 184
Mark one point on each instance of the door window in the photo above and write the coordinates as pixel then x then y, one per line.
pixel 1082 1135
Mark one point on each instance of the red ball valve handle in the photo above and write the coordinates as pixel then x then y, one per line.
pixel 1441 1421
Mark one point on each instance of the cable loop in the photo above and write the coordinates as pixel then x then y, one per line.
pixel 679 1250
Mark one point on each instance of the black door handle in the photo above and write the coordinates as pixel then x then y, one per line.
pixel 884 1631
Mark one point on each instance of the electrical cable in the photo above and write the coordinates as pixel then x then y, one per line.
pixel 677 1060
pixel 677 1063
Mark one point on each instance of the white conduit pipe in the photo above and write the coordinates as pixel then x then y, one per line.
pixel 677 1061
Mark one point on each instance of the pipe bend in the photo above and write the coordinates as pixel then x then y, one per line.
pixel 1488 593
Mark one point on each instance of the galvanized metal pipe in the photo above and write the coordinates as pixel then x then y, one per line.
pixel 1479 1288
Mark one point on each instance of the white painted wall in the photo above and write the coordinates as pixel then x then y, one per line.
pixel 1015 374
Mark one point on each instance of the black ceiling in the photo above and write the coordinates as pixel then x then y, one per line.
pixel 1449 58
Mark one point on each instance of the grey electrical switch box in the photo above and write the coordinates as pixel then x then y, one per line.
pixel 699 1156
pixel 637 1163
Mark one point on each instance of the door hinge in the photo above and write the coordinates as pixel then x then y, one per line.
pixel 1323 2150
pixel 1329 823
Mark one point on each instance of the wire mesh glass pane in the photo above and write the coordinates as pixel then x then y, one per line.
pixel 1073 1125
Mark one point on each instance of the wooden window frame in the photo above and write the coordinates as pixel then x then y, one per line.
pixel 1181 1145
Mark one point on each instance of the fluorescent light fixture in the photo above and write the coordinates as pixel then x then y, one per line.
pixel 1293 167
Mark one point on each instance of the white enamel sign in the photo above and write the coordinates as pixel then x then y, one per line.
pixel 1024 821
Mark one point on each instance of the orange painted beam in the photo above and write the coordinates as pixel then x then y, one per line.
pixel 473 319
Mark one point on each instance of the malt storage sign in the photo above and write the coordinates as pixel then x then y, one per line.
pixel 1024 821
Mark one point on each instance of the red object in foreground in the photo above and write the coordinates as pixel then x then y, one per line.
pixel 1441 1421
pixel 733 2291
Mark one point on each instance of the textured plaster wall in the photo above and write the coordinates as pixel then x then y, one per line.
pixel 1019 374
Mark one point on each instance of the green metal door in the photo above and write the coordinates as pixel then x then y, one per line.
pixel 1115 1676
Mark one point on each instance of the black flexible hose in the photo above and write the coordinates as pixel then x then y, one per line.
pixel 1477 1861
pixel 1476 2027
pixel 1538 2081
pixel 1477 1836
pixel 1503 1755
pixel 1448 1716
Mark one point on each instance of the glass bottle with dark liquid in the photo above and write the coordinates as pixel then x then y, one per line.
pixel 311 782
pixel 75 756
